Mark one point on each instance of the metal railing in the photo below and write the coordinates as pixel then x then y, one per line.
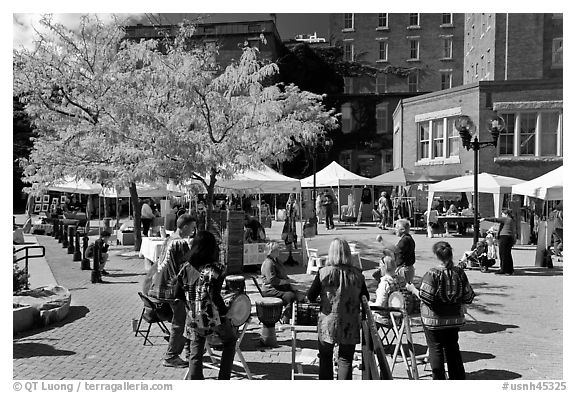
pixel 26 257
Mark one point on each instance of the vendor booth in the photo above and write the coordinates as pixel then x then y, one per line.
pixel 487 183
pixel 548 187
pixel 335 175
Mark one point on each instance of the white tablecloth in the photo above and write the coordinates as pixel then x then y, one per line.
pixel 151 248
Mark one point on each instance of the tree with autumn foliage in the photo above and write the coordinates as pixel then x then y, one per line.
pixel 119 111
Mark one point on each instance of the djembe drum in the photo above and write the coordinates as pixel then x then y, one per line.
pixel 269 311
pixel 236 284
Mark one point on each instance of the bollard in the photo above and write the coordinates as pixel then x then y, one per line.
pixel 77 254
pixel 65 236
pixel 60 229
pixel 71 233
pixel 96 274
pixel 56 229
pixel 85 264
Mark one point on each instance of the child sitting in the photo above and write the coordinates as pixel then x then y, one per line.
pixel 483 256
pixel 385 275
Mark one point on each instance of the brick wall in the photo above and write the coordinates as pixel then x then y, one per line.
pixel 365 34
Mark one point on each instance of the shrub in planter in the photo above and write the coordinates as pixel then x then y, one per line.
pixel 20 278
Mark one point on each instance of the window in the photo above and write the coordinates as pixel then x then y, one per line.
pixel 382 20
pixel 437 138
pixel 414 49
pixel 446 19
pixel 383 50
pixel 534 133
pixel 347 120
pixel 348 85
pixel 506 140
pixel 447 47
pixel 382 119
pixel 557 52
pixel 549 133
pixel 348 21
pixel 527 134
pixel 414 20
pixel 348 51
pixel 453 137
pixel 445 80
pixel 254 42
pixel 413 83
pixel 423 139
pixel 346 159
pixel 381 83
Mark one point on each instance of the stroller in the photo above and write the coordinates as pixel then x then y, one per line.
pixel 483 256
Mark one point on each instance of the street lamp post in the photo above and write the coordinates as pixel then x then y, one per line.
pixel 464 125
pixel 326 144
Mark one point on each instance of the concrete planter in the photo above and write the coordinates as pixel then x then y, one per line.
pixel 23 318
pixel 47 304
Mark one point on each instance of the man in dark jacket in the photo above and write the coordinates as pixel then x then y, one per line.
pixel 404 252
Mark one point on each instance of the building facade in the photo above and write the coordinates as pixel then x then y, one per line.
pixel 228 37
pixel 413 52
pixel 512 46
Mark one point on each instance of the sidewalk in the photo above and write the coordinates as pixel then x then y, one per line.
pixel 518 333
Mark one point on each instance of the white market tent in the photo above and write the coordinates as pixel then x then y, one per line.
pixel 80 186
pixel 548 186
pixel 404 177
pixel 261 181
pixel 334 175
pixel 487 183
pixel 144 190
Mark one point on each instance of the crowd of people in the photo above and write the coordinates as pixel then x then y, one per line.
pixel 187 279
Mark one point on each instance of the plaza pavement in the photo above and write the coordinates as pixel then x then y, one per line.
pixel 515 326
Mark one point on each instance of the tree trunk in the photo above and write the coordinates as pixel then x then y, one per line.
pixel 209 200
pixel 136 210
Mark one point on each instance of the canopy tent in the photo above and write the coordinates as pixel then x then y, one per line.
pixel 335 175
pixel 487 183
pixel 548 186
pixel 403 177
pixel 260 181
pixel 73 186
pixel 144 190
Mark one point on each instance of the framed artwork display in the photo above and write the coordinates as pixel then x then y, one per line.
pixel 45 207
pixel 53 207
pixel 63 199
pixel 46 199
pixel 54 201
pixel 38 199
pixel 37 208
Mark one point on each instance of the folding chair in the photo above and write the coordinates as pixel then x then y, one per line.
pixel 400 325
pixel 150 315
pixel 315 262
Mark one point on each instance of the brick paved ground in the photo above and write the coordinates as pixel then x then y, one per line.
pixel 518 333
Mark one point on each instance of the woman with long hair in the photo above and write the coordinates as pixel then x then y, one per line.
pixel 340 286
pixel 202 278
pixel 506 240
pixel 444 291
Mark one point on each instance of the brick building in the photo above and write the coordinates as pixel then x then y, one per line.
pixel 512 46
pixel 229 37
pixel 530 101
pixel 416 52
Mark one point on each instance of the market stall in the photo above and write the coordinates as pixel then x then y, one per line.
pixel 334 175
